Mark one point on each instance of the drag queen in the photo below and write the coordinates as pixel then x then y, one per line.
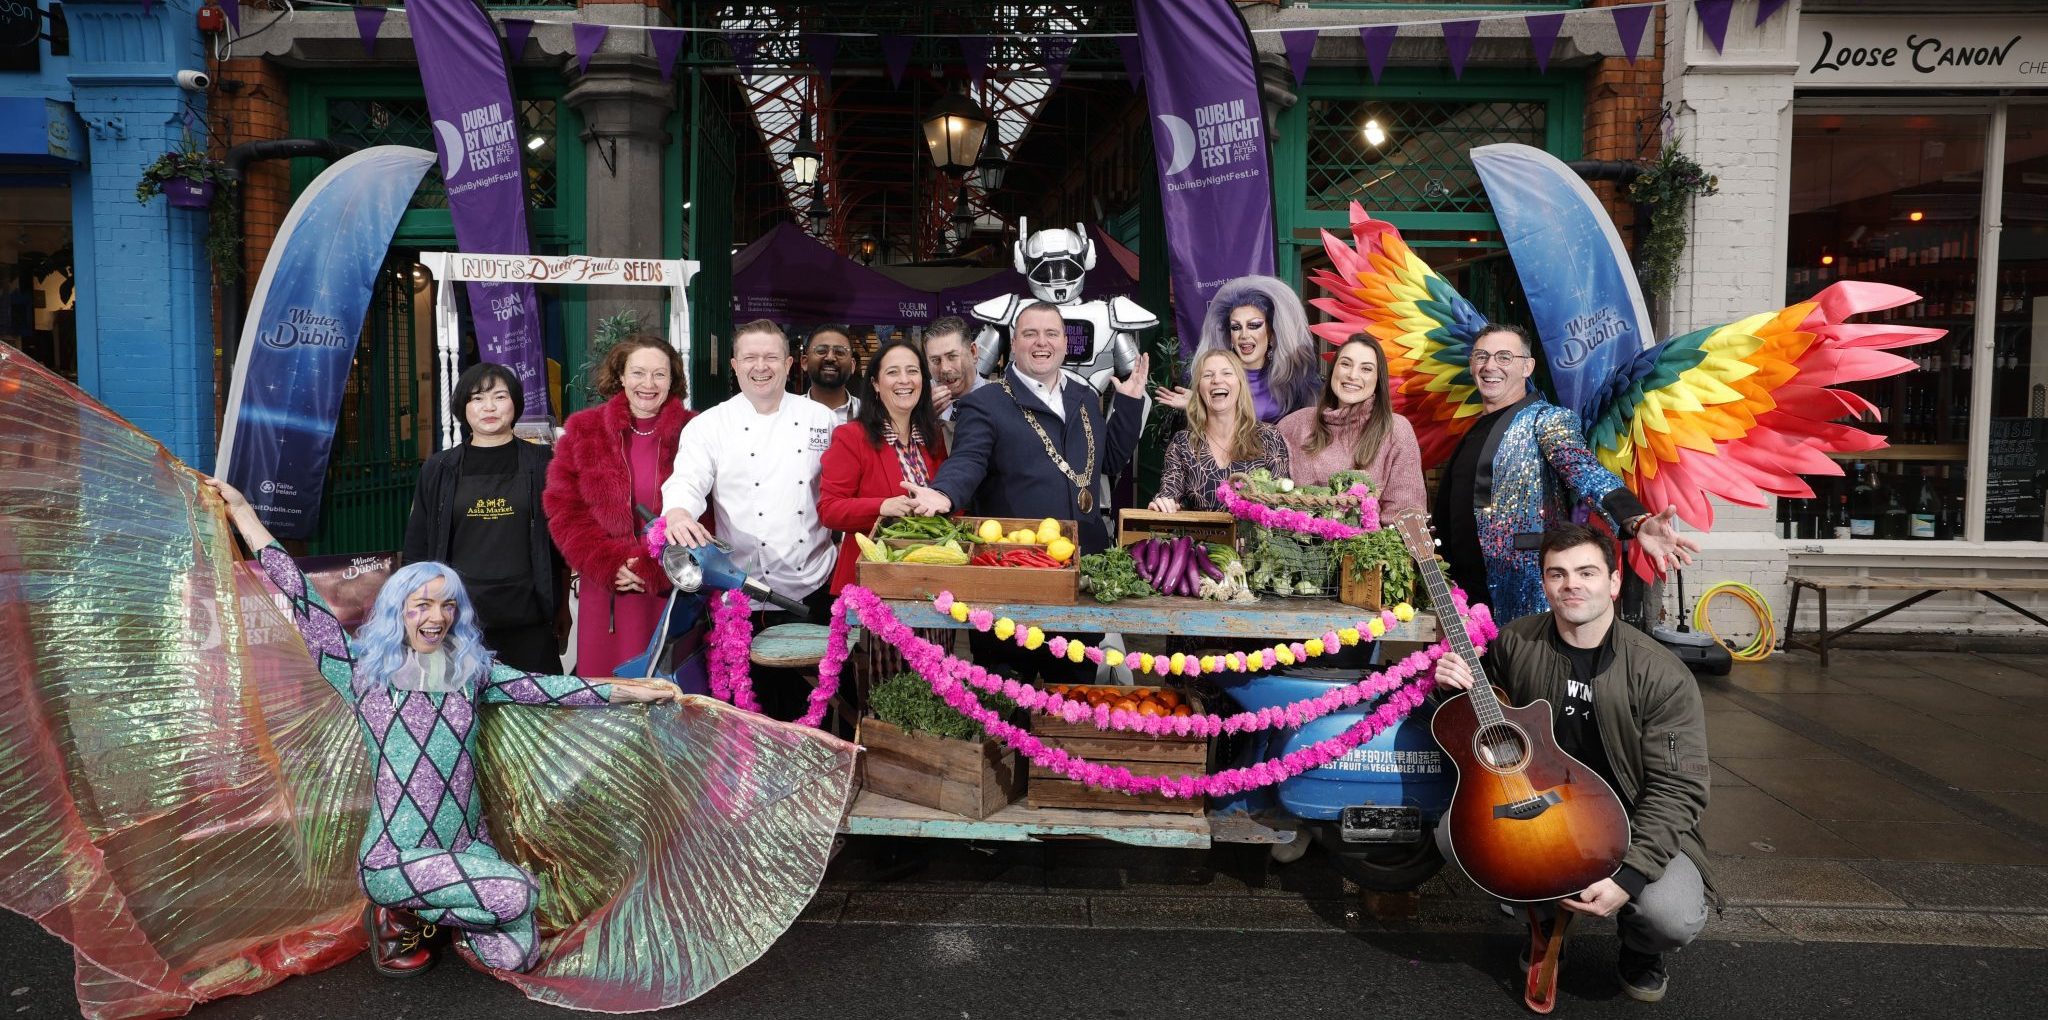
pixel 414 677
pixel 1260 318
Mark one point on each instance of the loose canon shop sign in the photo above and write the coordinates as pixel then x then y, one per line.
pixel 1945 51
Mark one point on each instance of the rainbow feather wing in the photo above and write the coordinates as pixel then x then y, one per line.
pixel 1378 285
pixel 1741 411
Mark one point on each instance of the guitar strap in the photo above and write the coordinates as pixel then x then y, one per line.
pixel 1546 956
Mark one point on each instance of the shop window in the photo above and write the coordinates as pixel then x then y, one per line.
pixel 2016 471
pixel 1898 197
pixel 1410 155
pixel 404 121
pixel 38 294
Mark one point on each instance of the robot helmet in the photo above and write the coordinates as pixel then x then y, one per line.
pixel 1053 262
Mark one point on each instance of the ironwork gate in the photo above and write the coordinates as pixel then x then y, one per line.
pixel 711 171
pixel 386 422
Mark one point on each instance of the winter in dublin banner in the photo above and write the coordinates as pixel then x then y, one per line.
pixel 300 335
pixel 1215 183
pixel 1584 301
pixel 476 127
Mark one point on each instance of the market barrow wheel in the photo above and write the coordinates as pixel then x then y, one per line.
pixel 1384 867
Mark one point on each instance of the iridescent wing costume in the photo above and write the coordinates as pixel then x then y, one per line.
pixel 182 794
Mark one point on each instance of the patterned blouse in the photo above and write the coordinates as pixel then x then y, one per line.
pixel 1192 474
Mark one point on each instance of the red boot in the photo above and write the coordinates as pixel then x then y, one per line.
pixel 401 945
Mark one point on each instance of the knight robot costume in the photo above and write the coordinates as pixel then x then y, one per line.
pixel 1102 336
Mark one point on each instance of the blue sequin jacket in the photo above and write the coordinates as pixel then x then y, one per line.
pixel 1535 461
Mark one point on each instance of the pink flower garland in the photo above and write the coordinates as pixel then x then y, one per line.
pixel 1302 522
pixel 656 537
pixel 945 673
pixel 731 652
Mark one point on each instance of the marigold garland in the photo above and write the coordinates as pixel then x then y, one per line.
pixel 946 674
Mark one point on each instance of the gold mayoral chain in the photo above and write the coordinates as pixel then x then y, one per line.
pixel 1084 498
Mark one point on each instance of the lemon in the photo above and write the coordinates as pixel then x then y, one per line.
pixel 1024 536
pixel 1059 549
pixel 1048 530
pixel 990 531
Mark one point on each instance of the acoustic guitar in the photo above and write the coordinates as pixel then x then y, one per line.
pixel 1528 822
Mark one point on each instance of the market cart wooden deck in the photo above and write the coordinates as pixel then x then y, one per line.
pixel 1270 619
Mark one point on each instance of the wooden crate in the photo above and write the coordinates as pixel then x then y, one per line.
pixel 973 779
pixel 1141 753
pixel 1060 587
pixel 1364 592
pixel 1201 525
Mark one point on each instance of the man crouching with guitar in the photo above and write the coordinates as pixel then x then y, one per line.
pixel 1629 709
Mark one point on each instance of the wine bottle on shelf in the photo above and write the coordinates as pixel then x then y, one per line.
pixel 1892 519
pixel 1925 511
pixel 1863 507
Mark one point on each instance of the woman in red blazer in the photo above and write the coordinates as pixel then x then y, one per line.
pixel 608 464
pixel 896 438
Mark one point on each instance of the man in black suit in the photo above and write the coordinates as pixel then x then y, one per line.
pixel 1036 444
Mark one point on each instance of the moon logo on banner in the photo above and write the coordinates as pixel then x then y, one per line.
pixel 1183 136
pixel 451 149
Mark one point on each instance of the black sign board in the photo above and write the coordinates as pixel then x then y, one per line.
pixel 21 30
pixel 2014 480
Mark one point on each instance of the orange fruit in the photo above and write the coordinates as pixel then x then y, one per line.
pixel 1152 708
pixel 1124 705
pixel 1169 698
pixel 1182 710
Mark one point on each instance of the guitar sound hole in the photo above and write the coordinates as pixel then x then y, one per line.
pixel 1502 747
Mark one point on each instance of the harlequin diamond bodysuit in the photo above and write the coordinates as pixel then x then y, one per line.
pixel 426 849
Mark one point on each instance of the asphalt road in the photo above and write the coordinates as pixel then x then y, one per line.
pixel 903 972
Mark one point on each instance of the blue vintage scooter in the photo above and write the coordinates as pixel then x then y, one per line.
pixel 676 651
pixel 1372 810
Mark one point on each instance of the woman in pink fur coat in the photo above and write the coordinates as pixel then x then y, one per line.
pixel 604 483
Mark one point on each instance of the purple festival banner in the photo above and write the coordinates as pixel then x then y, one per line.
pixel 1214 178
pixel 476 128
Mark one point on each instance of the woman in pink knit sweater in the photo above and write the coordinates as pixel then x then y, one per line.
pixel 1353 427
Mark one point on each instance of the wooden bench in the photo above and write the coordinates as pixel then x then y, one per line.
pixel 1922 587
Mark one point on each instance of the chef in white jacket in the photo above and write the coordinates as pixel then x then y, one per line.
pixel 756 459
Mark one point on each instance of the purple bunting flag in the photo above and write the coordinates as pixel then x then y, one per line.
pixel 744 47
pixel 589 37
pixel 896 55
pixel 233 9
pixel 974 52
pixel 368 21
pixel 1543 37
pixel 1766 8
pixel 1714 18
pixel 1134 59
pixel 1055 50
pixel 1458 36
pixel 1300 45
pixel 1629 21
pixel 1379 42
pixel 823 50
pixel 668 44
pixel 517 31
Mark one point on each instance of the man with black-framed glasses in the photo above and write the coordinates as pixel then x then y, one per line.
pixel 1522 467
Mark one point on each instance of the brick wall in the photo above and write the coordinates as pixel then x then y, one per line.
pixel 256 109
pixel 1622 105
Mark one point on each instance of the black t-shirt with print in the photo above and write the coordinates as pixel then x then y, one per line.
pixel 490 543
pixel 1578 731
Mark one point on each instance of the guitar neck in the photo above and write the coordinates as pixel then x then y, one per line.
pixel 1453 625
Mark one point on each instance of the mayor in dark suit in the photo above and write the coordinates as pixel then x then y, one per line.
pixel 1035 445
